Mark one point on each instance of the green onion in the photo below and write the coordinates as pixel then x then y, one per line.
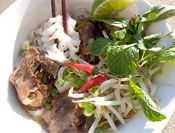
pixel 54 92
pixel 48 105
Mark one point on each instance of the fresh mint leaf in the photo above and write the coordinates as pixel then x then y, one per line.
pixel 120 23
pixel 121 60
pixel 120 34
pixel 158 13
pixel 99 46
pixel 149 107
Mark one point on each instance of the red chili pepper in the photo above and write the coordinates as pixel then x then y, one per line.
pixel 85 67
pixel 93 82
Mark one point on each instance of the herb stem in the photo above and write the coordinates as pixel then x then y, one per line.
pixel 109 75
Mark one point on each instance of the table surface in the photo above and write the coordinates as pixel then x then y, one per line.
pixel 170 128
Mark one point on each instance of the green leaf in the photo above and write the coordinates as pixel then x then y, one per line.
pixel 102 128
pixel 167 55
pixel 158 13
pixel 121 60
pixel 120 23
pixel 99 46
pixel 135 26
pixel 77 78
pixel 88 108
pixel 172 37
pixel 120 34
pixel 149 107
pixel 154 57
pixel 152 40
pixel 122 37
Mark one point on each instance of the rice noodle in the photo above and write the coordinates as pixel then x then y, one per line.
pixel 95 124
pixel 152 87
pixel 120 86
pixel 54 53
pixel 117 114
pixel 105 85
pixel 137 104
pixel 110 103
pixel 154 70
pixel 142 84
pixel 110 121
pixel 128 109
pixel 117 94
pixel 53 29
pixel 75 95
pixel 123 107
pixel 107 97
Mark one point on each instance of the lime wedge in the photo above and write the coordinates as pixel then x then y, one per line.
pixel 107 8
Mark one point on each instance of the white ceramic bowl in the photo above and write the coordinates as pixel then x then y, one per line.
pixel 24 16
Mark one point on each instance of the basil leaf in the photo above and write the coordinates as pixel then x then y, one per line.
pixel 120 23
pixel 149 107
pixel 152 40
pixel 154 57
pixel 172 37
pixel 167 55
pixel 121 60
pixel 158 13
pixel 99 46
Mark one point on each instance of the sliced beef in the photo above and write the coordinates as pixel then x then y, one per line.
pixel 34 78
pixel 66 117
pixel 87 30
pixel 86 124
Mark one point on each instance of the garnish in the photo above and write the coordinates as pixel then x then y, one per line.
pixel 149 107
pixel 84 67
pixel 93 82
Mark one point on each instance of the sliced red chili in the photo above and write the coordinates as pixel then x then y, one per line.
pixel 93 82
pixel 84 67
